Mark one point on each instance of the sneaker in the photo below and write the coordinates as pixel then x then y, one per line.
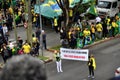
pixel 93 77
pixel 89 76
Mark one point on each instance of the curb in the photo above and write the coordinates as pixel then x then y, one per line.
pixel 101 41
pixel 49 60
pixel 51 50
pixel 88 46
pixel 95 43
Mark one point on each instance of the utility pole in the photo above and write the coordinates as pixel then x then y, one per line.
pixel 14 23
pixel 40 28
pixel 26 20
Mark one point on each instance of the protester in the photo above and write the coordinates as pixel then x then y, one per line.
pixel 34 39
pixel 20 42
pixel 5 31
pixel 99 29
pixel 73 41
pixel 26 48
pixel 87 37
pixel 64 43
pixel 114 26
pixel 44 39
pixel 98 19
pixel 118 23
pixel 58 61
pixel 92 30
pixel 91 65
pixel 23 67
pixel 79 23
pixel 5 52
pixel 56 24
pixel 38 33
pixel 105 31
pixel 63 34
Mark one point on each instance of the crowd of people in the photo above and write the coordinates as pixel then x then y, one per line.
pixel 85 32
pixel 24 47
pixel 8 48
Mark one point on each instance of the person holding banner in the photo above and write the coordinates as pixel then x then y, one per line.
pixel 91 66
pixel 58 61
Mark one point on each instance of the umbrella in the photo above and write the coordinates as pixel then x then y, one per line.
pixel 45 10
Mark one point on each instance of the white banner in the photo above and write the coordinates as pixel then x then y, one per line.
pixel 74 54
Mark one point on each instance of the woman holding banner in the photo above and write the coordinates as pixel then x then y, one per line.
pixel 58 61
pixel 91 66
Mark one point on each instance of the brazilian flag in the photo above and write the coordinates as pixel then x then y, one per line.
pixel 88 40
pixel 92 10
pixel 79 43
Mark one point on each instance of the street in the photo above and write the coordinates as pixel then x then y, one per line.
pixel 107 59
pixel 106 54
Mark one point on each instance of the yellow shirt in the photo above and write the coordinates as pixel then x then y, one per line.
pixel 92 29
pixel 99 27
pixel 34 39
pixel 26 49
pixel 94 63
pixel 70 13
pixel 19 13
pixel 114 24
pixel 55 22
pixel 11 10
pixel 108 21
pixel 69 35
pixel 86 33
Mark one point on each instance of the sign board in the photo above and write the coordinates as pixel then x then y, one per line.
pixel 74 54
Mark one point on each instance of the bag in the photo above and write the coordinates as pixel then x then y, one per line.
pixel 20 52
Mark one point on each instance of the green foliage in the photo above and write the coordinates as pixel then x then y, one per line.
pixel 56 47
pixel 82 8
pixel 43 58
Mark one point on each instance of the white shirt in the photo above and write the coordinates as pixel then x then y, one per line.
pixel 5 30
pixel 98 19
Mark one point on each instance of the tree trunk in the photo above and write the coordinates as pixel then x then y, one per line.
pixel 66 21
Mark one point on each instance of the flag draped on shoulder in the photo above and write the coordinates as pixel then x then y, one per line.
pixel 94 63
pixel 92 10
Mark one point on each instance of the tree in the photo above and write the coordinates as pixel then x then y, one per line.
pixel 65 6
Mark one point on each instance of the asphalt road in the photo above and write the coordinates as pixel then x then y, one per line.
pixel 107 59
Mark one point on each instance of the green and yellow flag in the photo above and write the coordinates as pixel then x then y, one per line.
pixel 93 10
pixel 85 1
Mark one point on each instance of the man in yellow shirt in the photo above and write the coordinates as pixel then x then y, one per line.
pixel 87 37
pixel 26 48
pixel 86 32
pixel 91 65
pixel 114 27
pixel 56 24
pixel 99 29
pixel 92 28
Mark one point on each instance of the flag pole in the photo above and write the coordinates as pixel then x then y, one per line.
pixel 41 41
